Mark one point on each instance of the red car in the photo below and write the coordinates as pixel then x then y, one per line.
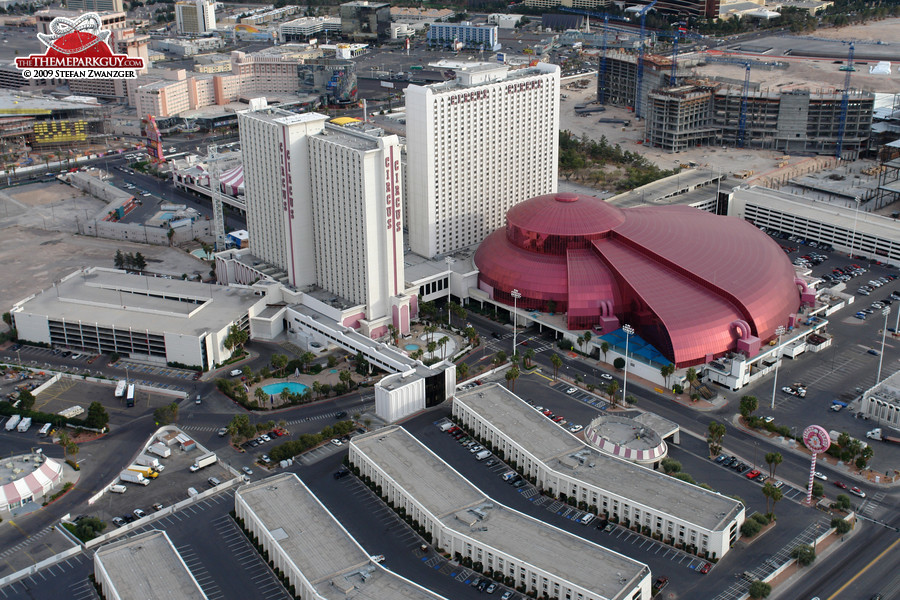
pixel 705 567
pixel 558 419
pixel 753 474
pixel 843 486
pixel 547 412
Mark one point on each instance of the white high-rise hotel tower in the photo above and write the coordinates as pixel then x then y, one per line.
pixel 324 203
pixel 477 145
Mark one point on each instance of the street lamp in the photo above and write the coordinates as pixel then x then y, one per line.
pixel 449 260
pixel 885 312
pixel 629 331
pixel 779 331
pixel 516 294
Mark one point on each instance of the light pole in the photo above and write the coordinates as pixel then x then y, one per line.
pixel 779 331
pixel 449 260
pixel 629 331
pixel 516 294
pixel 885 312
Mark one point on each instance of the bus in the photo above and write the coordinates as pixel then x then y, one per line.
pixel 129 400
pixel 120 388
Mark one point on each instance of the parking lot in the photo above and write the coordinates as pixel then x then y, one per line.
pixel 67 393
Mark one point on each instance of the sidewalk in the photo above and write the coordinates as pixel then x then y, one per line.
pixel 781 583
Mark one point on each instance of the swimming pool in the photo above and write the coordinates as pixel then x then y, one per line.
pixel 273 389
pixel 411 347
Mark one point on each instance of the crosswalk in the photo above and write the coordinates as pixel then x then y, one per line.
pixel 871 504
pixel 330 416
pixel 31 539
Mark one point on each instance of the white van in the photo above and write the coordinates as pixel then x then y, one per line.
pixel 45 429
pixel 236 372
pixel 483 455
pixel 192 492
pixel 586 519
pixel 118 489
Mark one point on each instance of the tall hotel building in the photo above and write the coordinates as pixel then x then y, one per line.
pixel 324 204
pixel 476 146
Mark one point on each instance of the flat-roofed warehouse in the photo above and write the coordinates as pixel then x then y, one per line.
pixel 461 519
pixel 313 550
pixel 144 566
pixel 151 318
pixel 561 463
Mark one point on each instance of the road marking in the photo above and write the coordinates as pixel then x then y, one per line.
pixel 866 568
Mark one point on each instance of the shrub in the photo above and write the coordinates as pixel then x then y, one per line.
pixel 761 519
pixel 841 526
pixel 750 528
pixel 759 589
pixel 805 554
pixel 619 363
pixel 670 465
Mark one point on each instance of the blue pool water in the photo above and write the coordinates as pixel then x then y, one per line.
pixel 273 389
pixel 410 347
pixel 166 216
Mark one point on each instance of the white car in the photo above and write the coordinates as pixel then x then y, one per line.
pixel 379 558
pixel 575 428
pixel 265 438
pixel 818 475
pixel 337 442
pixel 571 391
pixel 605 376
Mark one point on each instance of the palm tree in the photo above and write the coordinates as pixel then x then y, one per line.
pixel 587 338
pixel 580 341
pixel 462 369
pixel 768 490
pixel 347 378
pixel 778 495
pixel 612 390
pixel 392 331
pixel 604 348
pixel 773 459
pixel 691 377
pixel 529 355
pixel 443 344
pixel 432 346
pixel 261 396
pixel 317 389
pixel 511 375
pixel 557 362
pixel 666 371
pixel 64 442
pixel 472 334
pixel 306 359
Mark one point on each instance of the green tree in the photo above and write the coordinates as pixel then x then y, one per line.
pixel 279 362
pixel 317 389
pixel 612 390
pixel 140 263
pixel 63 440
pixel 715 433
pixel 499 358
pixel 557 362
pixel 471 334
pixel 691 377
pixel 759 589
pixel 332 361
pixel 777 495
pixel 97 416
pixel 841 526
pixel 580 341
pixel 306 359
pixel 748 405
pixel 164 415
pixel 72 449
pixel 462 369
pixel 604 348
pixel 431 347
pixel 805 554
pixel 619 363
pixel 843 502
pixel 88 528
pixel 261 396
pixel 773 459
pixel 670 465
pixel 236 338
pixel 119 260
pixel 750 528
pixel 511 375
pixel 587 338
pixel 818 490
pixel 26 400
pixel 394 334
pixel 528 357
pixel 240 428
pixel 666 371
pixel 443 344
pixel 768 491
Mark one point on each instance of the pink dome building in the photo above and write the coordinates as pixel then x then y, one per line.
pixel 693 284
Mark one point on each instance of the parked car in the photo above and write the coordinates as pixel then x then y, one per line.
pixel 571 390
pixel 705 567
pixel 247 470
pixel 753 474
pixel 139 513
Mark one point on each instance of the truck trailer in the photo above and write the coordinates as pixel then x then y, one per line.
pixel 120 388
pixel 24 425
pixel 133 477
pixel 160 449
pixel 204 461
pixel 13 422
pixel 147 461
pixel 145 471
pixel 877 434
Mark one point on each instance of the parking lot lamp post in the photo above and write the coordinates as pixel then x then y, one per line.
pixel 779 332
pixel 629 331
pixel 19 357
pixel 516 294
pixel 885 312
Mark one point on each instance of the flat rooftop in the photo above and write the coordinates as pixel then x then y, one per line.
pixel 116 299
pixel 147 566
pixel 310 536
pixel 555 447
pixel 464 508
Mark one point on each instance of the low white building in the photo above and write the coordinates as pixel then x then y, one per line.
pixel 561 463
pixel 144 566
pixel 467 524
pixel 405 393
pixel 881 403
pixel 148 318
pixel 311 547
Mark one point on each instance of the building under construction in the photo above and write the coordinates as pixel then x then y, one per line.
pixel 795 120
pixel 621 77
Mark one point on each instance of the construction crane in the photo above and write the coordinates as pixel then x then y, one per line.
pixel 742 120
pixel 672 80
pixel 640 61
pixel 601 88
pixel 845 102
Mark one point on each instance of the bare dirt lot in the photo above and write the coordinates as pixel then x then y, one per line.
pixel 874 31
pixel 33 259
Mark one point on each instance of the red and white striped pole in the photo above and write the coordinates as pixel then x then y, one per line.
pixel 812 475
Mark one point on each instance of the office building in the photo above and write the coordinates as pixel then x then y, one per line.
pixel 583 4
pixel 477 145
pixel 308 544
pixel 464 522
pixel 143 566
pixel 195 17
pixel 365 21
pixel 95 5
pixel 881 402
pixel 300 30
pixel 325 205
pixel 705 521
pixel 148 318
pixel 464 35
